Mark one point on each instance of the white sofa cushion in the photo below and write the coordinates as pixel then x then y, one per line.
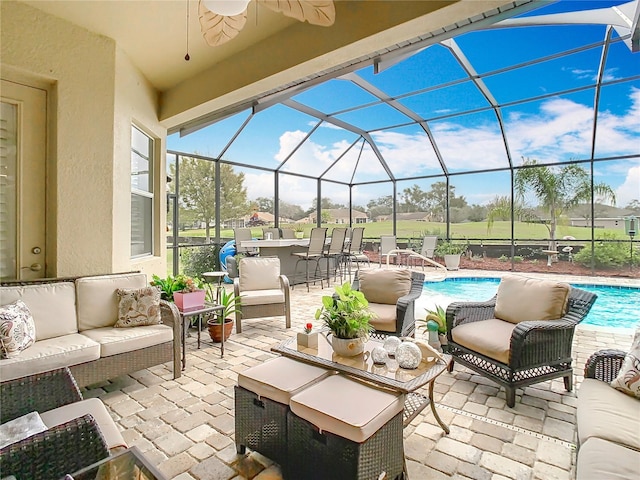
pixel 94 407
pixel 114 340
pixel 262 297
pixel 346 408
pixel 50 354
pixel 599 460
pixel 52 305
pixel 280 378
pixel 97 299
pixel 606 413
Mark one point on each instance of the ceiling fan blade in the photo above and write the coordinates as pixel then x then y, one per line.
pixel 218 29
pixel 316 12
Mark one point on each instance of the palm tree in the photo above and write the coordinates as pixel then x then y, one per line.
pixel 557 191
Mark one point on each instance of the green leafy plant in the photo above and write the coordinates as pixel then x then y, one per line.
pixel 298 227
pixel 608 254
pixel 447 247
pixel 197 260
pixel 180 283
pixel 230 304
pixel 346 313
pixel 503 258
pixel 517 259
pixel 438 315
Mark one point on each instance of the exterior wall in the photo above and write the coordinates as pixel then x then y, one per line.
pixel 96 93
pixel 599 223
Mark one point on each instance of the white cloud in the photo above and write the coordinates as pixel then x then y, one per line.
pixel 630 188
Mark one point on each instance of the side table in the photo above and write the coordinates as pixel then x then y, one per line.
pixel 198 313
pixel 127 465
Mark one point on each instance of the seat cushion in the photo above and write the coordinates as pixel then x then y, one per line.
pixel 604 412
pixel 520 299
pixel 384 286
pixel 346 408
pixel 599 459
pixel 94 407
pixel 261 297
pixel 491 338
pixel 97 299
pixel 259 273
pixel 385 319
pixel 50 354
pixel 52 305
pixel 114 340
pixel 281 378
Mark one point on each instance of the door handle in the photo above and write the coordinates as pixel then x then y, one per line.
pixel 35 267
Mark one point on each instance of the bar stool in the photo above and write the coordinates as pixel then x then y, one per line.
pixel 262 402
pixel 340 428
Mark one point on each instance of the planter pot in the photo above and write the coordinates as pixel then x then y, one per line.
pixel 308 339
pixel 348 347
pixel 299 234
pixel 190 300
pixel 452 262
pixel 215 329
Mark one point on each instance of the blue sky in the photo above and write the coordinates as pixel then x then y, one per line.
pixel 547 111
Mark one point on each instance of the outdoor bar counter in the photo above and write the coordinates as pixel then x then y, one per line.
pixel 283 249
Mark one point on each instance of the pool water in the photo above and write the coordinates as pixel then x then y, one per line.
pixel 615 306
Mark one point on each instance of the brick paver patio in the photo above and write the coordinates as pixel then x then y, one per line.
pixel 186 426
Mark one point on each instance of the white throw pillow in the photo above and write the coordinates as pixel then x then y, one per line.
pixel 17 329
pixel 628 379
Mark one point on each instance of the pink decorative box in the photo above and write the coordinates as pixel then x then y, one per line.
pixel 189 300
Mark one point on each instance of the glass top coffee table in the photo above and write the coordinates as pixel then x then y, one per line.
pixel 389 375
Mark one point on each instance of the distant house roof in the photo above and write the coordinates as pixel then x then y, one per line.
pixel 342 213
pixel 413 216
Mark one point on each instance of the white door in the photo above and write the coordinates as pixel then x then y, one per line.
pixel 23 118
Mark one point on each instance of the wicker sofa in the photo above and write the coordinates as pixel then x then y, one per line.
pixel 74 320
pixel 608 422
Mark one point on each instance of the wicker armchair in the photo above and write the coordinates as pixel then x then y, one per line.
pixel 403 315
pixel 539 350
pixel 604 365
pixel 59 450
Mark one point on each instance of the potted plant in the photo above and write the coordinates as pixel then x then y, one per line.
pixel 298 228
pixel 439 316
pixel 307 338
pixel 185 291
pixel 230 306
pixel 451 253
pixel 347 316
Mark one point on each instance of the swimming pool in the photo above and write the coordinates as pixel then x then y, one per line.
pixel 615 307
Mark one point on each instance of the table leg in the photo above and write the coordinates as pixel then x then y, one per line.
pixel 222 341
pixel 433 409
pixel 199 329
pixel 184 342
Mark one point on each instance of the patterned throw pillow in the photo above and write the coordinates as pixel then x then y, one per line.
pixel 628 379
pixel 138 307
pixel 17 329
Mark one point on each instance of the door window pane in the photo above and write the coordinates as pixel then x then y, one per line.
pixel 141 193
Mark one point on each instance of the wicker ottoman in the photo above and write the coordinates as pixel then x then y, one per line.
pixel 342 429
pixel 262 401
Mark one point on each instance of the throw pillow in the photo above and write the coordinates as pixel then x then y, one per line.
pixel 138 307
pixel 17 329
pixel 20 428
pixel 628 379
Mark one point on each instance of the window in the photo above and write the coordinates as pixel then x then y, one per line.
pixel 142 149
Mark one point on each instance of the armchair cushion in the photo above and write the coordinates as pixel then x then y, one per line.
pixel 385 319
pixel 262 297
pixel 521 299
pixel 491 338
pixel 259 273
pixel 385 286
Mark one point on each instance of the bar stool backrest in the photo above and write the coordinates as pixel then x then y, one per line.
pixel 241 235
pixel 357 235
pixel 316 241
pixel 287 233
pixel 275 233
pixel 338 236
pixel 387 243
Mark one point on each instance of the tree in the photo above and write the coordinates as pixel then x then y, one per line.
pixel 634 206
pixel 413 200
pixel 263 204
pixel 557 190
pixel 198 192
pixel 436 200
pixel 380 206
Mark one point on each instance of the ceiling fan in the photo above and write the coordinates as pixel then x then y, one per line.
pixel 222 20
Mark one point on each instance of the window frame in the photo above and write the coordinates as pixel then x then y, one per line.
pixel 148 232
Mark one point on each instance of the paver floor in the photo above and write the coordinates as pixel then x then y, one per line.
pixel 186 426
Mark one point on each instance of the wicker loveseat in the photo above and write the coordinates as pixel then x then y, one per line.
pixel 74 320
pixel 520 337
pixel 608 422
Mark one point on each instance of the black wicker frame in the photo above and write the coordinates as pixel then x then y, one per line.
pixel 315 455
pixel 405 307
pixel 604 365
pixel 261 425
pixel 540 350
pixel 59 450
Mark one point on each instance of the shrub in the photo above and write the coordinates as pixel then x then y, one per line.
pixel 608 254
pixel 503 258
pixel 197 260
pixel 517 259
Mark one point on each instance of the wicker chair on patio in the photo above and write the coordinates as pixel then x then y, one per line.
pixel 71 441
pixel 520 337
